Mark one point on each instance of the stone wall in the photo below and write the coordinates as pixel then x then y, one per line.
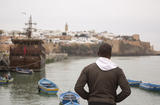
pixel 146 45
pixel 134 43
pixel 115 45
pixel 119 47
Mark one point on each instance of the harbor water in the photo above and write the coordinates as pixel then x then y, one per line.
pixel 23 91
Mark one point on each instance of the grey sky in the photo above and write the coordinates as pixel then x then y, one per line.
pixel 116 16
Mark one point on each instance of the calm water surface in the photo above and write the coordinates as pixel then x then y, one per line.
pixel 23 91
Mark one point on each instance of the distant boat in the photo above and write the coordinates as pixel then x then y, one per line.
pixel 134 83
pixel 24 71
pixel 6 79
pixel 47 86
pixel 69 98
pixel 150 86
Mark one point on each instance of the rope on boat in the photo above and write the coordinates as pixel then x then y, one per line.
pixel 25 65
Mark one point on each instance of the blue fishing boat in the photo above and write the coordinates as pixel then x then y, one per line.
pixel 47 86
pixel 69 98
pixel 150 86
pixel 134 83
pixel 6 79
pixel 24 71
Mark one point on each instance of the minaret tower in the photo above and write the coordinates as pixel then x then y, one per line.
pixel 66 28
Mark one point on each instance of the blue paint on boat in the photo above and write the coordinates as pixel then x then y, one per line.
pixel 150 86
pixel 134 83
pixel 48 92
pixel 6 79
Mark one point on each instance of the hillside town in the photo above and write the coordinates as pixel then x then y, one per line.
pixel 131 44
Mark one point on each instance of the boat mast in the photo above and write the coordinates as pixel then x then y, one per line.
pixel 30 29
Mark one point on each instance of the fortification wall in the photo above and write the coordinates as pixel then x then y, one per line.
pixel 115 45
pixel 134 43
pixel 119 47
pixel 146 45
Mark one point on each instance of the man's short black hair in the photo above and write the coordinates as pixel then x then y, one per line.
pixel 105 50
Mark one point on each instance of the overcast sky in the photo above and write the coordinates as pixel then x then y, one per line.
pixel 117 16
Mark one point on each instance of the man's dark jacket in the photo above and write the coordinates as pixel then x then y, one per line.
pixel 102 85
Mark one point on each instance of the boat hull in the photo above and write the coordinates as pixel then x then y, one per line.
pixel 6 81
pixel 24 71
pixel 149 86
pixel 48 91
pixel 134 83
pixel 27 53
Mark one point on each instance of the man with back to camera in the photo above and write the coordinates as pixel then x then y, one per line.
pixel 103 79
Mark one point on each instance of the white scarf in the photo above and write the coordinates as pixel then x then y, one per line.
pixel 105 64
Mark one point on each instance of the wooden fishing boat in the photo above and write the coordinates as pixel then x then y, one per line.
pixel 69 98
pixel 150 86
pixel 3 80
pixel 47 86
pixel 24 71
pixel 134 83
pixel 6 78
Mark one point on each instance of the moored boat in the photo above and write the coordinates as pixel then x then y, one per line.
pixel 47 86
pixel 69 98
pixel 24 71
pixel 134 83
pixel 6 79
pixel 27 52
pixel 150 86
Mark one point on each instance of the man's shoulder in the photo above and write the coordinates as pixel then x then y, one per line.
pixel 91 65
pixel 118 68
pixel 118 71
